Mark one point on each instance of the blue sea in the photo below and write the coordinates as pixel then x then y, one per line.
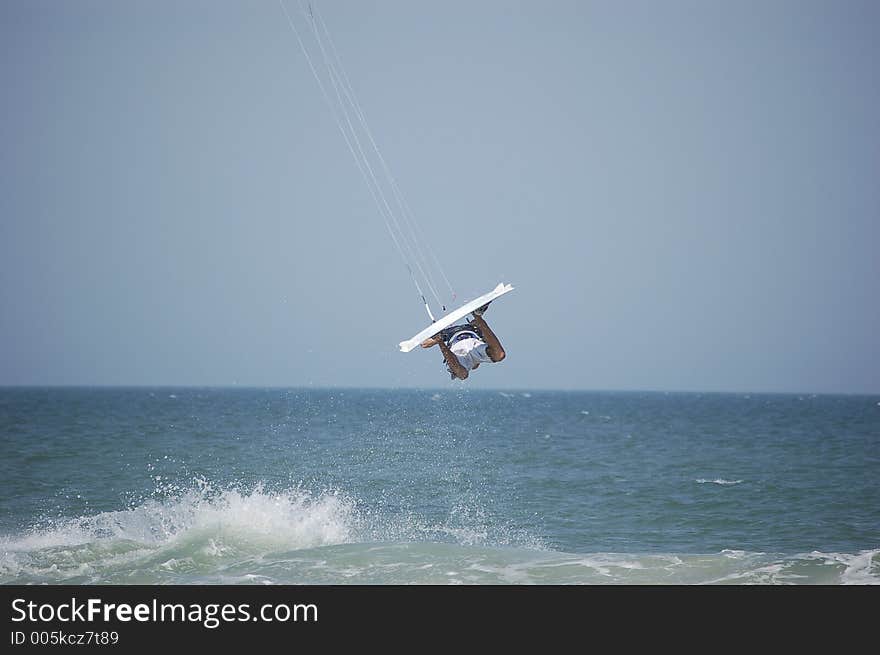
pixel 446 486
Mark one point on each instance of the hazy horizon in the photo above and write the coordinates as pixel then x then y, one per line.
pixel 457 388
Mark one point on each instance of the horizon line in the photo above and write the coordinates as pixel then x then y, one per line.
pixel 308 387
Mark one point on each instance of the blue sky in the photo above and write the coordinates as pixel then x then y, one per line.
pixel 684 194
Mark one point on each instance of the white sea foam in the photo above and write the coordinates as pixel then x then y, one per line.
pixel 720 481
pixel 293 518
pixel 194 525
pixel 858 569
pixel 258 536
pixel 203 531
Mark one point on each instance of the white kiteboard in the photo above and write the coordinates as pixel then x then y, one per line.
pixel 453 316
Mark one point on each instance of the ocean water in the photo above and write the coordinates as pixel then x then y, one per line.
pixel 452 486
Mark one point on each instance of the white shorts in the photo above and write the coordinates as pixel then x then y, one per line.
pixel 470 352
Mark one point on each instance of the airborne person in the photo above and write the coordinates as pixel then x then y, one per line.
pixel 465 347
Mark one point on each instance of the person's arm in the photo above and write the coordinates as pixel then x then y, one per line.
pixel 455 366
pixel 431 341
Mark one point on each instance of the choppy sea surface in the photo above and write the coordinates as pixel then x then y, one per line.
pixel 452 486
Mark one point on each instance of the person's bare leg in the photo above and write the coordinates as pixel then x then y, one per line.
pixel 493 346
